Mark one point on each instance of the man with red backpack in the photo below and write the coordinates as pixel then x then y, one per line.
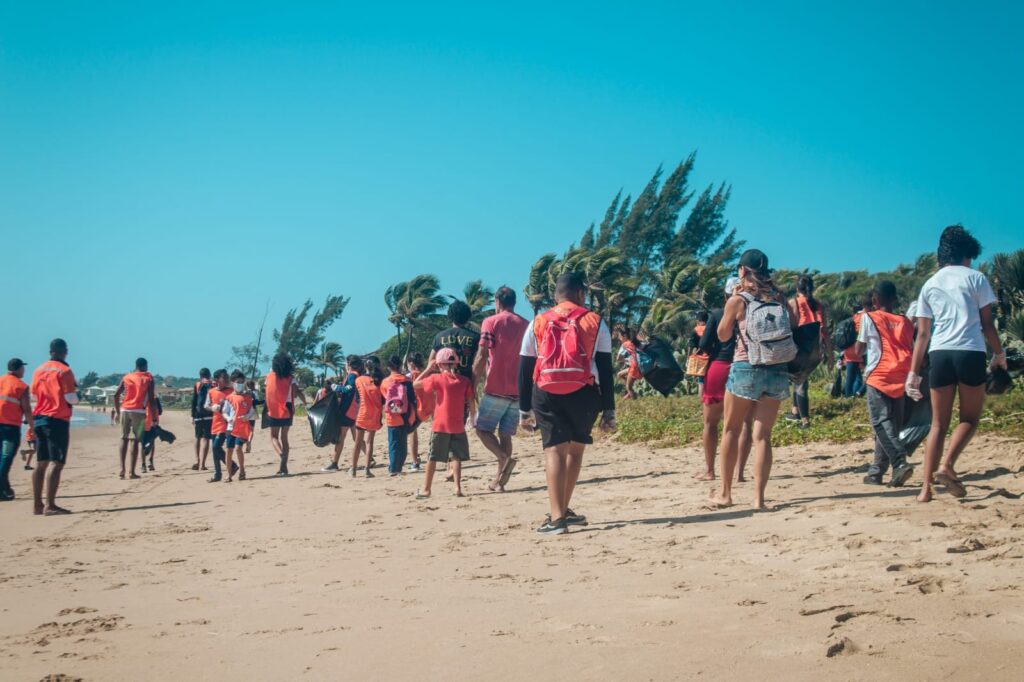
pixel 399 413
pixel 565 382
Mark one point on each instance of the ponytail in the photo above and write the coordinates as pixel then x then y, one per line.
pixel 805 287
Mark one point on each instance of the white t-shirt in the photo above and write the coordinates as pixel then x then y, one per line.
pixel 868 335
pixel 603 345
pixel 953 298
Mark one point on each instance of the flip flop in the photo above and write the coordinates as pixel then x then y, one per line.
pixel 955 487
pixel 421 496
pixel 507 473
pixel 56 511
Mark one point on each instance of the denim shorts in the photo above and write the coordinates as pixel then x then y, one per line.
pixel 498 413
pixel 753 383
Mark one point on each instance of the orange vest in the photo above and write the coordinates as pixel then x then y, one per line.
pixel 217 396
pixel 241 403
pixel 136 391
pixel 279 396
pixel 897 334
pixel 12 389
pixel 589 326
pixel 371 404
pixel 851 354
pixel 51 381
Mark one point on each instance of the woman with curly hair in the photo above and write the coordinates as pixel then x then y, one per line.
pixel 282 392
pixel 954 322
pixel 759 377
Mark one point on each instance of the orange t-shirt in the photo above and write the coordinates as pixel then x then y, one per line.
pixel 279 396
pixel 50 383
pixel 216 397
pixel 136 391
pixel 453 393
pixel 241 406
pixel 371 404
pixel 12 389
pixel 424 400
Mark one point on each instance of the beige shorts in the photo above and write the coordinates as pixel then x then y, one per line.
pixel 133 424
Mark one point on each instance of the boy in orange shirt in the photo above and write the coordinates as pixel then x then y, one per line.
pixel 238 409
pixel 400 414
pixel 368 420
pixel 454 398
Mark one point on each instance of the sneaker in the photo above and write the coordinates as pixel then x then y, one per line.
pixel 392 474
pixel 7 495
pixel 550 527
pixel 900 475
pixel 283 471
pixel 28 467
pixel 215 479
pixel 873 479
pixel 369 474
pixel 333 466
pixel 574 519
pixel 352 472
pixel 792 417
pixel 415 466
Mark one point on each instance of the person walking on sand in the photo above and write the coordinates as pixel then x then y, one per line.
pixel 758 378
pixel 238 410
pixel 348 403
pixel 565 382
pixel 954 322
pixel 497 364
pixel 218 426
pixel 201 418
pixel 282 391
pixel 15 408
pixel 424 406
pixel 628 355
pixel 455 398
pixel 459 337
pixel 56 393
pixel 811 310
pixel 139 391
pixel 400 414
pixel 886 340
pixel 721 354
pixel 369 418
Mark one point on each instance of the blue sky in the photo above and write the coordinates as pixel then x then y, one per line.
pixel 169 170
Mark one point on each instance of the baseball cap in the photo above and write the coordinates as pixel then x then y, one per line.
pixel 14 364
pixel 446 356
pixel 731 284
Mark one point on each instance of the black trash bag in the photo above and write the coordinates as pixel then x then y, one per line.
pixel 664 373
pixel 837 385
pixel 264 418
pixel 917 419
pixel 325 420
pixel 807 338
pixel 845 334
pixel 149 437
pixel 998 382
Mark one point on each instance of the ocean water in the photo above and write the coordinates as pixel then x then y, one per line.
pixel 86 416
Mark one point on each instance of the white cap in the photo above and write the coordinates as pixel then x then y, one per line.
pixel 731 284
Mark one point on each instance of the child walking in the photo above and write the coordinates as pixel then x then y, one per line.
pixel 369 419
pixel 888 339
pixel 238 409
pixel 455 398
pixel 400 414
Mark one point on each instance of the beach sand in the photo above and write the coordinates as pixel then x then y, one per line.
pixel 320 576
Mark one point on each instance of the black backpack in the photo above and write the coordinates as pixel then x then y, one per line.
pixel 845 334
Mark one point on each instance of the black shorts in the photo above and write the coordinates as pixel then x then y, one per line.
pixel 951 367
pixel 275 422
pixel 53 439
pixel 566 418
pixel 346 423
pixel 203 427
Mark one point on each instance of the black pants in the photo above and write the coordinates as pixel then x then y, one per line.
pixel 218 453
pixel 886 416
pixel 10 439
pixel 800 401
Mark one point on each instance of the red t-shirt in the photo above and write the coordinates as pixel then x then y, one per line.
pixel 453 392
pixel 502 336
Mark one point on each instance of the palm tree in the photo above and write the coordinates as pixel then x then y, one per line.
pixel 412 301
pixel 539 287
pixel 330 357
pixel 478 297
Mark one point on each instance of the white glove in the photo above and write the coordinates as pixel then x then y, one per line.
pixel 998 360
pixel 527 422
pixel 913 387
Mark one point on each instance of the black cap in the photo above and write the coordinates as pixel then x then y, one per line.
pixel 14 364
pixel 755 260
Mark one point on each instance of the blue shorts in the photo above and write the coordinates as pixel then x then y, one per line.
pixel 498 413
pixel 753 383
pixel 234 441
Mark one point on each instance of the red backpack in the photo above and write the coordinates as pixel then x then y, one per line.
pixel 563 362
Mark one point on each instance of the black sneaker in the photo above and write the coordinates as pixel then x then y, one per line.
pixel 792 417
pixel 873 479
pixel 7 495
pixel 550 527
pixel 574 519
pixel 333 466
pixel 900 476
pixel 281 472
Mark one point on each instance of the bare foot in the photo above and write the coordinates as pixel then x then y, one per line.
pixel 704 475
pixel 121 475
pixel 38 510
pixel 925 496
pixel 759 505
pixel 133 476
pixel 718 501
pixel 496 487
pixel 458 493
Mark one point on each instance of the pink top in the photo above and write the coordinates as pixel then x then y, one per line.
pixel 740 354
pixel 502 336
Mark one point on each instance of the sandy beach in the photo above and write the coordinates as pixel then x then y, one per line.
pixel 320 576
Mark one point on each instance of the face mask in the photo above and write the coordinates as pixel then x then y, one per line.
pixel 239 388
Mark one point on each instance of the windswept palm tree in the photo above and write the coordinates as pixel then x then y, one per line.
pixel 539 287
pixel 479 298
pixel 412 301
pixel 330 357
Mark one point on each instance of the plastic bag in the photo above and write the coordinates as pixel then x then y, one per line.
pixel 998 382
pixel 664 373
pixel 837 385
pixel 325 420
pixel 808 352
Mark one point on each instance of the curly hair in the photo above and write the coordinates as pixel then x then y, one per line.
pixel 459 312
pixel 957 244
pixel 282 365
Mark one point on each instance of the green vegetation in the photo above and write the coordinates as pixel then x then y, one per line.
pixel 674 421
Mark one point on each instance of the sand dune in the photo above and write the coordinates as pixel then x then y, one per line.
pixel 320 576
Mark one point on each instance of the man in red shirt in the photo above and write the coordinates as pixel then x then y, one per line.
pixel 55 390
pixel 501 336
